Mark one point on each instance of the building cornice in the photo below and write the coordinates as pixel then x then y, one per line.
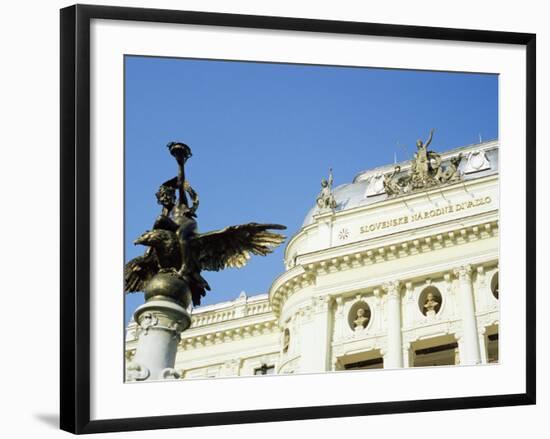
pixel 379 250
pixel 232 330
pixel 385 204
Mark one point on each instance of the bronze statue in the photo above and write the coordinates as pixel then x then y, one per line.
pixel 179 251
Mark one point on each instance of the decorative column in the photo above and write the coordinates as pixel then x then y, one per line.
pixel 316 328
pixel 161 320
pixel 339 320
pixel 394 352
pixel 483 345
pixel 407 355
pixel 470 341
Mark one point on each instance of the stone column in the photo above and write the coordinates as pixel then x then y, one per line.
pixel 394 352
pixel 407 355
pixel 483 345
pixel 316 328
pixel 470 341
pixel 160 322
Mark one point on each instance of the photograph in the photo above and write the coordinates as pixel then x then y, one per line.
pixel 275 219
pixel 286 218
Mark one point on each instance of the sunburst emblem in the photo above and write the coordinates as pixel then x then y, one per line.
pixel 343 234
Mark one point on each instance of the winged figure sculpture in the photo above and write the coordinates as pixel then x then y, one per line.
pixel 176 247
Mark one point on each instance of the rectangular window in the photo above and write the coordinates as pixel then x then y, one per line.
pixel 374 363
pixel 264 370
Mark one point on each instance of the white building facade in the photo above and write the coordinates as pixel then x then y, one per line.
pixel 376 280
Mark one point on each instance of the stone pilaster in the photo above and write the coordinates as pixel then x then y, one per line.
pixel 407 355
pixel 316 327
pixel 470 338
pixel 483 345
pixel 394 352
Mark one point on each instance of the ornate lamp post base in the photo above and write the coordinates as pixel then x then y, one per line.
pixel 161 319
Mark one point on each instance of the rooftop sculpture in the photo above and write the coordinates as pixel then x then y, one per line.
pixel 325 199
pixel 426 171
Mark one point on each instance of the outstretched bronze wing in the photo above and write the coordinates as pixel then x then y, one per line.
pixel 138 271
pixel 233 245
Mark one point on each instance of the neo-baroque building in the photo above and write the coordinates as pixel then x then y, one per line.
pixel 398 268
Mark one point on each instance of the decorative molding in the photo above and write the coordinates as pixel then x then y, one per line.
pixel 159 320
pixel 215 336
pixel 464 272
pixel 343 234
pixel 392 289
pixel 136 372
pixel 306 275
pixel 477 161
pixel 170 374
pixel 234 311
pixel 147 320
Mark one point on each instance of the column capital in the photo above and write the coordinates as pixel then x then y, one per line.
pixel 464 272
pixel 392 288
pixel 322 303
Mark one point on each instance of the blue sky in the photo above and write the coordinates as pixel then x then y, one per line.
pixel 263 135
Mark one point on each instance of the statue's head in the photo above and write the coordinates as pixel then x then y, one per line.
pixel 419 144
pixel 397 168
pixel 166 196
pixel 324 182
pixel 430 296
pixel 361 312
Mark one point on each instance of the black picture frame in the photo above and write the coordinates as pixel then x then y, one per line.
pixel 75 217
